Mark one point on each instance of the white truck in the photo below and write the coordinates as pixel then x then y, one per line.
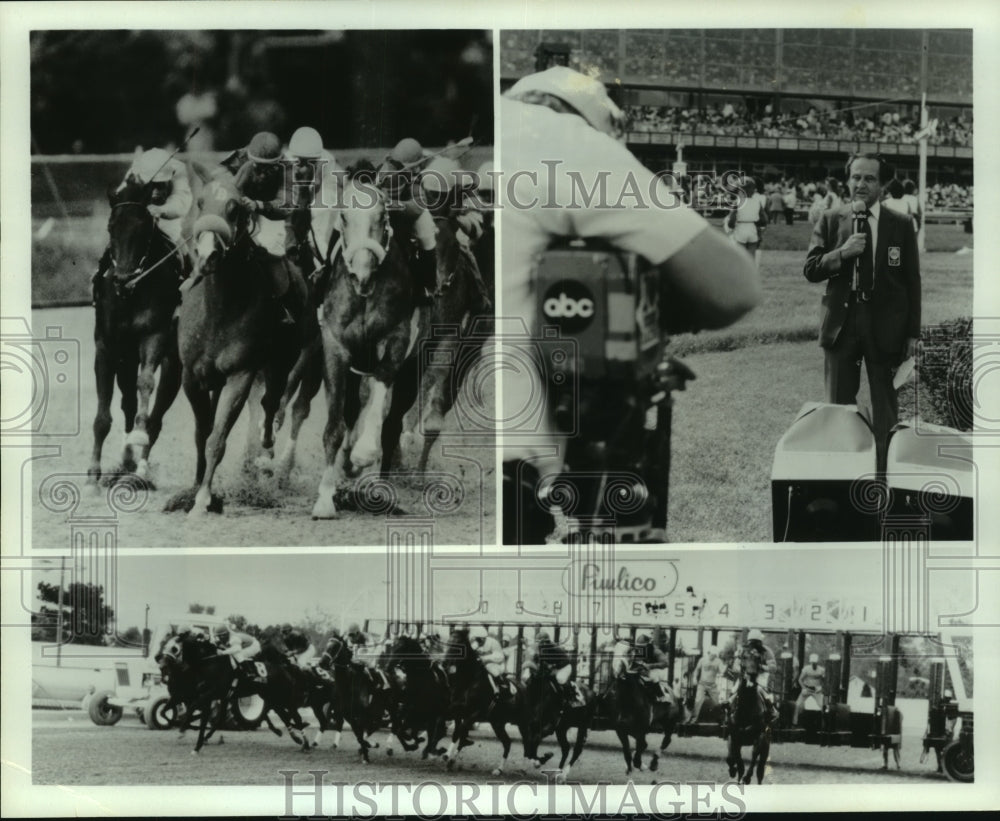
pixel 139 686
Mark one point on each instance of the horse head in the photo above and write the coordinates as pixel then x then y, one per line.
pixel 223 219
pixel 130 228
pixel 460 657
pixel 366 234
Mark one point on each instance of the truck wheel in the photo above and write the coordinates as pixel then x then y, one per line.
pixel 102 713
pixel 959 763
pixel 158 716
pixel 248 712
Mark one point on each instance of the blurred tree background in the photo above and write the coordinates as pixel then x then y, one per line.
pixel 110 91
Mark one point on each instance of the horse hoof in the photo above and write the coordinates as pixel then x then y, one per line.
pixel 325 509
pixel 654 764
pixel 451 764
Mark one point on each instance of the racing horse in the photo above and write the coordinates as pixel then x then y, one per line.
pixel 549 710
pixel 474 698
pixel 371 326
pixel 461 320
pixel 635 712
pixel 230 331
pixel 424 694
pixel 360 696
pixel 208 683
pixel 134 332
pixel 748 723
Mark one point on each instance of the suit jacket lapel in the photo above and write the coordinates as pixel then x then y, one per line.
pixel 882 243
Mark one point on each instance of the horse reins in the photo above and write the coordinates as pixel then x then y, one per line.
pixel 139 274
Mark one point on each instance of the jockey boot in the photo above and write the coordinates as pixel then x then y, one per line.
pixel 425 273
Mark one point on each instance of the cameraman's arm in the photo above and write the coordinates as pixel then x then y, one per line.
pixel 709 283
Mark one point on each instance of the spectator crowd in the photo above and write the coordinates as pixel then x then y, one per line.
pixel 736 121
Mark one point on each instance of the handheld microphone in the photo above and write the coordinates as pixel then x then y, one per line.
pixel 860 216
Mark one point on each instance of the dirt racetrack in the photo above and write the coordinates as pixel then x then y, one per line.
pixel 458 496
pixel 68 749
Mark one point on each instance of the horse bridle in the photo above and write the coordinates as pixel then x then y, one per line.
pixel 379 249
pixel 131 279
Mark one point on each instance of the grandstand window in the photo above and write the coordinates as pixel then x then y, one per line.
pixel 950 42
pixel 907 39
pixel 841 38
pixel 873 38
pixel 645 54
pixel 600 51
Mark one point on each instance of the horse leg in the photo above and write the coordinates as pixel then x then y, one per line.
pixel 462 726
pixel 231 399
pixel 500 730
pixel 166 391
pixel 366 450
pixel 202 408
pixel 562 737
pixel 640 748
pixel 274 381
pixel 626 748
pixel 335 373
pixel 581 739
pixel 762 755
pixel 734 757
pixel 436 397
pixel 404 393
pixel 105 377
pixel 127 375
pixel 151 353
pixel 311 379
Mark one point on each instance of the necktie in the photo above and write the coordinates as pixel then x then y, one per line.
pixel 866 266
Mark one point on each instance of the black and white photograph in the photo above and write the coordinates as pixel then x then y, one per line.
pixel 491 409
pixel 233 222
pixel 407 667
pixel 680 227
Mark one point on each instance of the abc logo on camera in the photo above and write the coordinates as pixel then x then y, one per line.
pixel 569 305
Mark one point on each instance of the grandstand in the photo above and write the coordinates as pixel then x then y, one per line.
pixel 777 103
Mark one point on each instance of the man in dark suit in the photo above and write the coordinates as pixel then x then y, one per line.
pixel 871 308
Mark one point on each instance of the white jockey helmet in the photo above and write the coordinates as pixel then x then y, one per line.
pixel 152 166
pixel 587 95
pixel 755 635
pixel 712 651
pixel 813 658
pixel 306 143
pixel 477 632
pixel 440 175
pixel 485 174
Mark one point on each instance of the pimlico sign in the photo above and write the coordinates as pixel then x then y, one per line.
pixel 649 579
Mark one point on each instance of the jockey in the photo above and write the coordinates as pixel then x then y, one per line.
pixel 296 644
pixel 311 220
pixel 337 651
pixel 555 659
pixel 168 199
pixel 396 176
pixel 241 647
pixel 756 662
pixel 653 665
pixel 706 673
pixel 491 654
pixel 811 681
pixel 446 189
pixel 260 177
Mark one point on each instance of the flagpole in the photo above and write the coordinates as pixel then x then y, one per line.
pixel 922 174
